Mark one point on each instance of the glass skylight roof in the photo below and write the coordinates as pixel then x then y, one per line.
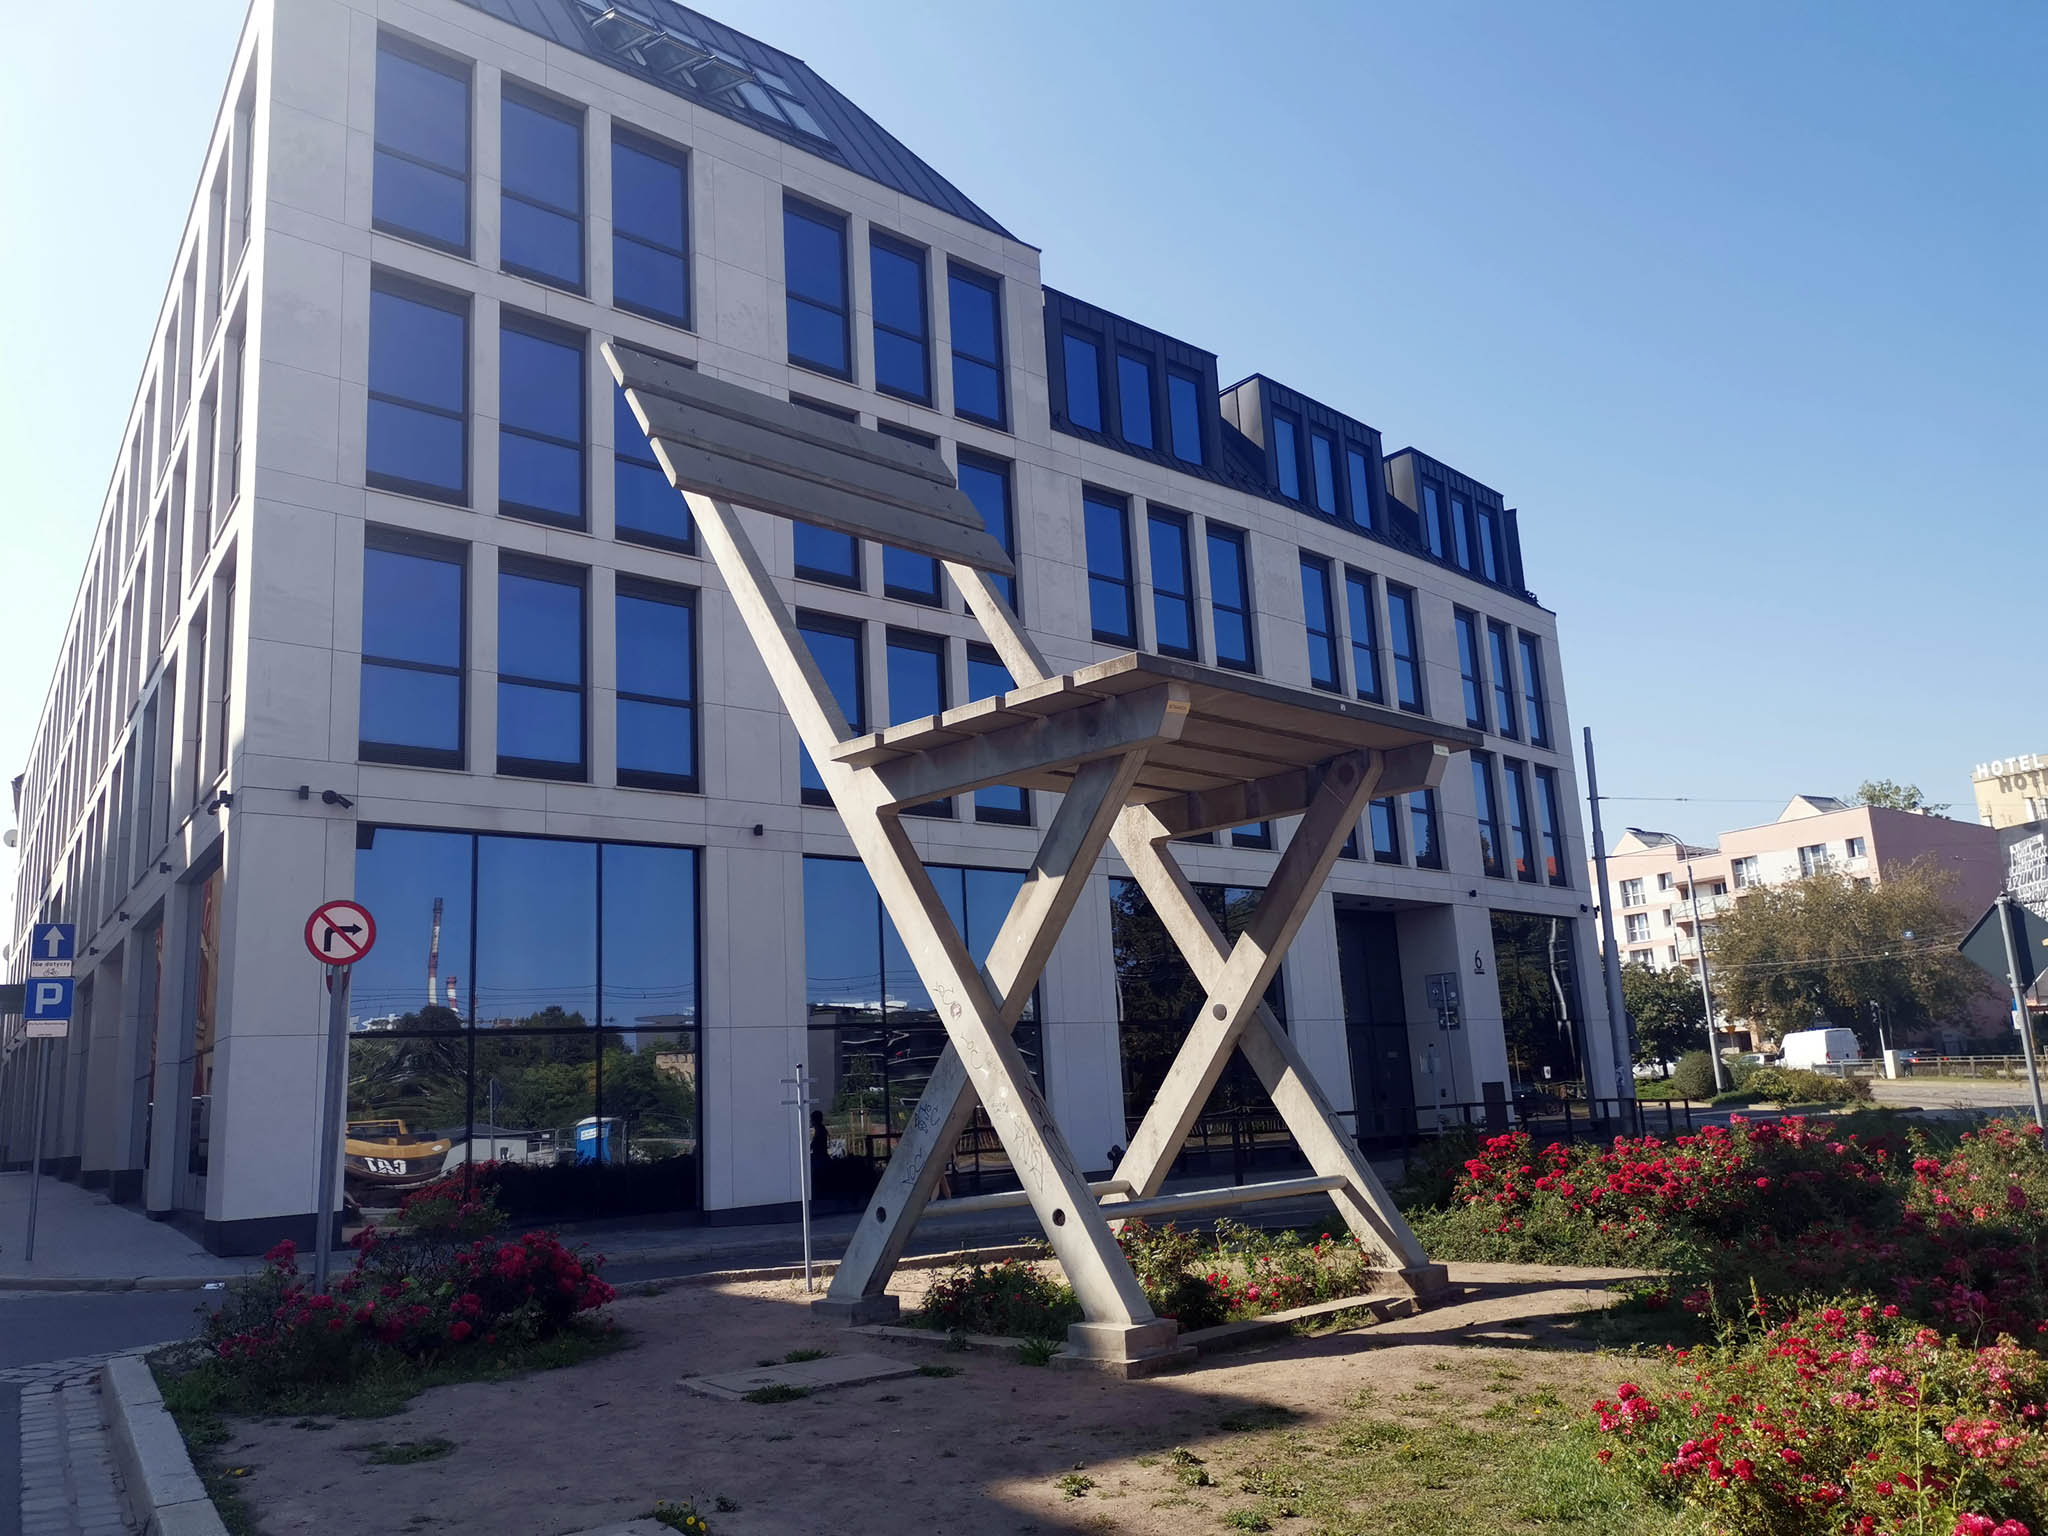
pixel 676 55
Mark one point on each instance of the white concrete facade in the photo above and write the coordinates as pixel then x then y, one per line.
pixel 213 661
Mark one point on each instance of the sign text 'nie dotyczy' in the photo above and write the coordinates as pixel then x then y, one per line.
pixel 46 1000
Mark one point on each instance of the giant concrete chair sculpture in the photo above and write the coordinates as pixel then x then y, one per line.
pixel 1142 749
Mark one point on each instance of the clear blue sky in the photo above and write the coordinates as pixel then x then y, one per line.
pixel 1742 305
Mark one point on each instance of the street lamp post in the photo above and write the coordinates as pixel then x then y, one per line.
pixel 1699 939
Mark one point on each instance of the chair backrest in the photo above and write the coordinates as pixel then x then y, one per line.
pixel 724 440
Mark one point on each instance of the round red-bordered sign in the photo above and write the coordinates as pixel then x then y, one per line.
pixel 340 932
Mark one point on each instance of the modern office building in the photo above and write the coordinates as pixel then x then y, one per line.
pixel 389 600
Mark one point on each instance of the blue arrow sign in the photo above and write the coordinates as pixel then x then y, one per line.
pixel 48 1001
pixel 53 941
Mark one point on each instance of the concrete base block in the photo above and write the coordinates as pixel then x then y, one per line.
pixel 859 1311
pixel 1128 1350
pixel 1428 1281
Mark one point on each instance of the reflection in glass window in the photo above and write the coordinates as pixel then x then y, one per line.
pixel 1184 412
pixel 1253 834
pixel 1321 622
pixel 650 229
pixel 536 931
pixel 1537 711
pixel 1386 834
pixel 1407 647
pixel 987 677
pixel 1521 828
pixel 421 183
pixel 1500 655
pixel 1287 455
pixel 1173 603
pixel 540 669
pixel 917 688
pixel 647 509
pixel 413 626
pixel 1468 668
pixel 418 427
pixel 1488 811
pixel 1365 635
pixel 648 1071
pixel 1433 519
pixel 1230 597
pixel 1322 453
pixel 977 319
pixel 1461 535
pixel 1489 544
pixel 657 674
pixel 814 275
pixel 1422 829
pixel 1358 485
pixel 826 554
pixel 541 233
pixel 1550 819
pixel 914 578
pixel 417 884
pixel 902 360
pixel 540 422
pixel 987 484
pixel 835 646
pixel 1111 611
pixel 1084 380
pixel 1134 398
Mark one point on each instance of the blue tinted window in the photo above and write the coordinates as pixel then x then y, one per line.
pixel 1386 834
pixel 1407 647
pixel 1489 544
pixel 536 938
pixel 1358 486
pixel 1134 398
pixel 976 315
pixel 1287 456
pixel 657 671
pixel 1535 709
pixel 902 364
pixel 1230 598
pixel 540 671
pixel 814 273
pixel 1322 638
pixel 914 578
pixel 413 617
pixel 987 484
pixel 1084 380
pixel 1461 535
pixel 1365 635
pixel 1433 519
pixel 650 230
pixel 1322 452
pixel 540 424
pixel 987 677
pixel 1552 823
pixel 1489 815
pixel 418 425
pixel 1521 827
pixel 1468 669
pixel 648 510
pixel 917 688
pixel 542 205
pixel 834 645
pixel 825 554
pixel 1422 830
pixel 1184 410
pixel 1109 570
pixel 1501 655
pixel 1173 602
pixel 1253 834
pixel 420 186
pixel 409 880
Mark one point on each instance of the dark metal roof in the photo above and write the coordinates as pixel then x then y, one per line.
pixel 855 140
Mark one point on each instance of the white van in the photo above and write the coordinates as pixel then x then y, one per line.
pixel 1819 1048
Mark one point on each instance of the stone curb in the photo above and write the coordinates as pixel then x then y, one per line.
pixel 824 1268
pixel 163 1489
pixel 111 1283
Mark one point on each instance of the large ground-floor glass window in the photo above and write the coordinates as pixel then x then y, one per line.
pixel 1542 1015
pixel 531 1004
pixel 875 1036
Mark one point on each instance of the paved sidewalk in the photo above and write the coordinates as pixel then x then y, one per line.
pixel 68 1483
pixel 85 1241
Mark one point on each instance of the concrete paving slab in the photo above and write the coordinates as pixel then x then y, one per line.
pixel 85 1241
pixel 809 1375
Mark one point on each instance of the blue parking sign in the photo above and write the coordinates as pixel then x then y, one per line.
pixel 48 1000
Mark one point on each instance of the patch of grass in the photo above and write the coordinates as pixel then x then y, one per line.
pixel 680 1517
pixel 1247 1520
pixel 938 1370
pixel 1188 1469
pixel 1037 1351
pixel 1074 1484
pixel 404 1453
pixel 799 1356
pixel 781 1392
pixel 1257 1416
pixel 310 1424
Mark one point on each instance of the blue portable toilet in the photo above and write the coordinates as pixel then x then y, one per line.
pixel 594 1139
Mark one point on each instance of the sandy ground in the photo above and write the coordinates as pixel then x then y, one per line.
pixel 977 1453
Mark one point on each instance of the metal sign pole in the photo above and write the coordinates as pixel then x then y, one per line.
pixel 2019 1003
pixel 35 1177
pixel 800 1100
pixel 334 1104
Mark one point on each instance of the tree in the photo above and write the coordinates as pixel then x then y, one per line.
pixel 1671 1017
pixel 1888 796
pixel 1826 948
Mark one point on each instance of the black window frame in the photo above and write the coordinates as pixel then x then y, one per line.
pixel 1486 817
pixel 1005 471
pixel 642 589
pixel 1423 812
pixel 1213 533
pixel 1550 825
pixel 1500 660
pixel 1080 333
pixel 1319 566
pixel 529 568
pixel 1389 807
pixel 1284 459
pixel 807 620
pixel 1188 377
pixel 418 546
pixel 1121 505
pixel 441 63
pixel 931 593
pixel 413 291
pixel 856 579
pixel 643 457
pixel 516 93
pixel 1314 486
pixel 825 218
pixel 1254 835
pixel 1407 633
pixel 1146 361
pixel 1522 845
pixel 979 653
pixel 1166 517
pixel 882 241
pixel 1535 692
pixel 1435 508
pixel 1359 483
pixel 539 328
pixel 961 274
pixel 1356 582
pixel 934 646
pixel 1471 668
pixel 635 142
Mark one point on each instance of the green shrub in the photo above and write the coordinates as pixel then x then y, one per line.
pixel 1693 1077
pixel 1796 1085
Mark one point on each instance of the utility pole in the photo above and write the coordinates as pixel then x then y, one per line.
pixel 1610 956
pixel 1692 891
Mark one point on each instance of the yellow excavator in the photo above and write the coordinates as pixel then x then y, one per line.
pixel 388 1157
